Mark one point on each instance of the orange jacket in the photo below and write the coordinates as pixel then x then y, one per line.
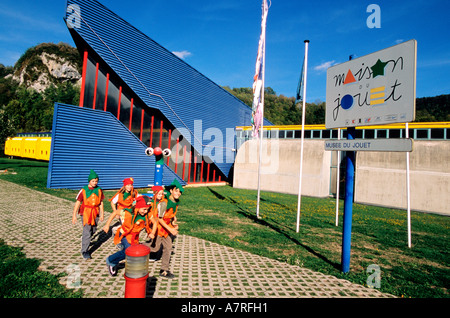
pixel 154 209
pixel 91 206
pixel 125 203
pixel 168 217
pixel 132 225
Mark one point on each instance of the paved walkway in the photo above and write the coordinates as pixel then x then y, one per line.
pixel 41 224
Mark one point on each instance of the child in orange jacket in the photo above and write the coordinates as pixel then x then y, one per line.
pixel 167 227
pixel 159 202
pixel 123 199
pixel 136 219
pixel 89 206
pixel 125 196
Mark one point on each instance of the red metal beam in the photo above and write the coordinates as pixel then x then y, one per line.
pixel 160 134
pixel 83 78
pixel 151 132
pixel 95 87
pixel 195 169
pixel 170 137
pixel 184 160
pixel 131 114
pixel 176 155
pixel 142 123
pixel 118 104
pixel 106 92
pixel 189 171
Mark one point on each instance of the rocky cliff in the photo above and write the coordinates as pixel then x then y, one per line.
pixel 47 64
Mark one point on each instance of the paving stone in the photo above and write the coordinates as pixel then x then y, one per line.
pixel 42 225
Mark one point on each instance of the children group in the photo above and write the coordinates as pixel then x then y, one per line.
pixel 135 213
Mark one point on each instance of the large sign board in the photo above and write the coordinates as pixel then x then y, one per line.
pixel 379 88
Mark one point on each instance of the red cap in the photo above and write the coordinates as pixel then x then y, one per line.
pixel 128 181
pixel 142 201
pixel 157 188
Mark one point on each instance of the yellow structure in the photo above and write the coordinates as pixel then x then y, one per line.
pixel 413 125
pixel 29 147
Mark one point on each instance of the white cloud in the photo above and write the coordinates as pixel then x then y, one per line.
pixel 183 54
pixel 324 66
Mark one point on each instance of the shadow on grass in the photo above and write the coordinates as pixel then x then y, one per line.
pixel 277 228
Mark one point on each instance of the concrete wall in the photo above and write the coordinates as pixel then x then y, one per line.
pixel 280 167
pixel 380 177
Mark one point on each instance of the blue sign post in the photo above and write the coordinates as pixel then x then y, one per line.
pixel 348 204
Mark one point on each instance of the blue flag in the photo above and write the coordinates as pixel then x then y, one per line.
pixel 298 96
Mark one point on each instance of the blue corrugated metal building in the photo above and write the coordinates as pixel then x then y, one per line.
pixel 157 96
pixel 80 143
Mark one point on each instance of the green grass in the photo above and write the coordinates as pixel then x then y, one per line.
pixel 20 278
pixel 379 236
pixel 226 215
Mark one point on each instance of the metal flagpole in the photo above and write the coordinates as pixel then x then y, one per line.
pixel 261 131
pixel 261 128
pixel 338 173
pixel 408 190
pixel 303 136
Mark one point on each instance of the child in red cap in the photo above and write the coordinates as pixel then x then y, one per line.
pixel 125 196
pixel 136 219
pixel 123 199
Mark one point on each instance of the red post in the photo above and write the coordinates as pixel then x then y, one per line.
pixel 176 155
pixel 95 87
pixel 151 131
pixel 189 171
pixel 118 104
pixel 142 123
pixel 207 174
pixel 195 169
pixel 106 92
pixel 136 271
pixel 168 146
pixel 184 160
pixel 83 78
pixel 214 175
pixel 160 134
pixel 201 172
pixel 131 114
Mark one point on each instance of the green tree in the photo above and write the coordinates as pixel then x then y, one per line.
pixel 282 110
pixel 6 126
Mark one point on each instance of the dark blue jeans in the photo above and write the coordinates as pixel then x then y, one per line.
pixel 116 258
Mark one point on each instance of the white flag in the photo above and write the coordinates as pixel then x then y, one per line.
pixel 258 104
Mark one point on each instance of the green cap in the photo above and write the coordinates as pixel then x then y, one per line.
pixel 92 175
pixel 175 183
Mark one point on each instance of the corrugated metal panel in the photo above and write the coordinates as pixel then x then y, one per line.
pixel 183 94
pixel 84 139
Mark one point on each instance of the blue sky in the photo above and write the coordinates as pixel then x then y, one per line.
pixel 220 38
